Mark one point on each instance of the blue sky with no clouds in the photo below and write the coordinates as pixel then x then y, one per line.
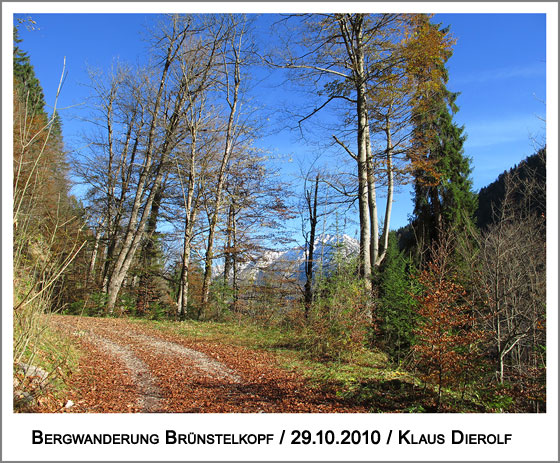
pixel 498 66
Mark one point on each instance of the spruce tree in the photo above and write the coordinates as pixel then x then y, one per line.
pixel 395 311
pixel 443 196
pixel 25 82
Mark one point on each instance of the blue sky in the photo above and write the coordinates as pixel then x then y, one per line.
pixel 498 66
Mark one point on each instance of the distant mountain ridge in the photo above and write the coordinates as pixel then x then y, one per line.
pixel 290 264
pixel 491 196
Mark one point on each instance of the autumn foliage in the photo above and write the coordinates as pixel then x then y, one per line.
pixel 186 217
pixel 447 338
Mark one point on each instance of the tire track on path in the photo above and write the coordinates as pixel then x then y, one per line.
pixel 135 351
pixel 128 367
pixel 199 360
pixel 149 394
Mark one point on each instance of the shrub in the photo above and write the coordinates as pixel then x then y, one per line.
pixel 340 316
pixel 395 307
pixel 93 306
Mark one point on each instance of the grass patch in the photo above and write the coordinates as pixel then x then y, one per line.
pixel 245 335
pixel 55 354
pixel 57 351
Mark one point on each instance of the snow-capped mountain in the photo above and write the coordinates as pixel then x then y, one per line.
pixel 290 264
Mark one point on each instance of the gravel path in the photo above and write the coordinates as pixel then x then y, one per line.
pixel 128 367
pixel 200 361
pixel 149 394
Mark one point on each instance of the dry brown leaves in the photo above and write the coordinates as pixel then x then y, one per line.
pixel 103 383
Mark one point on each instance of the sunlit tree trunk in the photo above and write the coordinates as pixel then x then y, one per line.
pixel 229 247
pixel 141 208
pixel 390 187
pixel 190 216
pixel 232 81
pixel 351 29
pixel 93 260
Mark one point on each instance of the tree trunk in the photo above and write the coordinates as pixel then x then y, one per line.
pixel 365 192
pixel 390 188
pixel 183 297
pixel 232 102
pixel 372 204
pixel 209 256
pixel 190 215
pixel 312 210
pixel 235 283
pixel 91 270
pixel 228 251
pixel 148 254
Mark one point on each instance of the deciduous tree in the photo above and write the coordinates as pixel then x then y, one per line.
pixel 447 337
pixel 370 63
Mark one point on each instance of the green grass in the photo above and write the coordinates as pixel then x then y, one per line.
pixel 57 355
pixel 57 349
pixel 245 335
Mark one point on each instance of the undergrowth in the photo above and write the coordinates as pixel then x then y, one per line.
pixel 363 376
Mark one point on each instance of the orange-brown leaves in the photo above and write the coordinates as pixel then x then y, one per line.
pixel 426 48
pixel 40 182
pixel 446 337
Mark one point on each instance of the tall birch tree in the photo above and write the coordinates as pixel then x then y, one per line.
pixel 198 68
pixel 365 62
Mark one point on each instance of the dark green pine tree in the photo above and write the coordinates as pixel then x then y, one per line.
pixel 25 82
pixel 443 196
pixel 43 207
pixel 28 87
pixel 395 311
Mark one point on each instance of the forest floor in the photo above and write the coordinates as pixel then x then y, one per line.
pixel 126 366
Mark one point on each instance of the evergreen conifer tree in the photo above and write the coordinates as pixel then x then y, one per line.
pixel 25 82
pixel 43 206
pixel 396 304
pixel 443 196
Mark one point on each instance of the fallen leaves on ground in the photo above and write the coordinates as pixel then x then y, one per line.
pixel 103 384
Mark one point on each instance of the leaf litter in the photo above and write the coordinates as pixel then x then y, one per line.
pixel 132 368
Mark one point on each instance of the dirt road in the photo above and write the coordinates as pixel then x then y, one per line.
pixel 128 367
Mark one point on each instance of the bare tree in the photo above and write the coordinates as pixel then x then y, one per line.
pixel 513 272
pixel 365 63
pixel 156 152
pixel 198 71
pixel 311 203
pixel 111 168
pixel 257 207
pixel 232 59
